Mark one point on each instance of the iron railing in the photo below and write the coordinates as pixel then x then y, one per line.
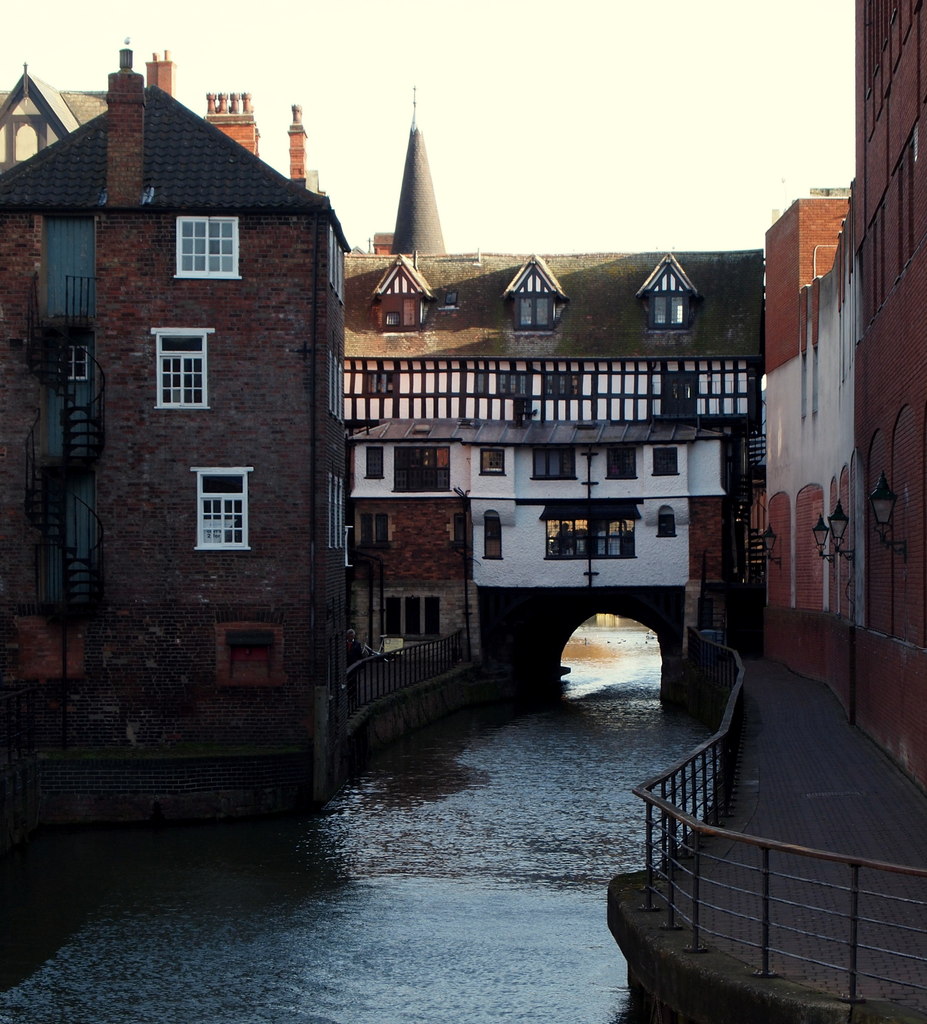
pixel 17 725
pixel 382 674
pixel 842 924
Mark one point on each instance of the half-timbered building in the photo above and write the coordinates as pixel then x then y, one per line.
pixel 589 424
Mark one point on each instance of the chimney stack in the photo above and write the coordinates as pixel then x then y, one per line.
pixel 233 114
pixel 161 73
pixel 125 134
pixel 297 133
pixel 298 172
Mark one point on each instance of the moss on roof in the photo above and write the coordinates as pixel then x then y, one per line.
pixel 603 316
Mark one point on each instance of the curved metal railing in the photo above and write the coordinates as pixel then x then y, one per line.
pixel 842 924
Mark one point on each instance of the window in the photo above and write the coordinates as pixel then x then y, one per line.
pixel 668 311
pixel 379 382
pixel 554 463
pixel 492 535
pixel 392 318
pixel 534 311
pixel 336 537
pixel 181 363
pixel 413 615
pixel 492 460
pixel 665 462
pixel 374 528
pixel 590 538
pixel 450 298
pixel 666 522
pixel 374 469
pixel 393 615
pixel 222 508
pixel 680 393
pixel 207 247
pixel 433 615
pixel 562 385
pixel 422 469
pixel 480 382
pixel 460 530
pixel 78 363
pixel 516 382
pixel 622 463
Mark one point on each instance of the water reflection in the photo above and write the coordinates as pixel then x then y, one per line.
pixel 461 879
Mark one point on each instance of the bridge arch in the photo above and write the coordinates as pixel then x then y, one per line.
pixel 526 629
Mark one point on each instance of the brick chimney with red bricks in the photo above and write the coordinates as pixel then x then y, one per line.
pixel 297 133
pixel 233 114
pixel 125 132
pixel 162 73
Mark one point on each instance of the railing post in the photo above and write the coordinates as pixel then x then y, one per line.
pixel 852 971
pixel 765 972
pixel 696 945
pixel 648 857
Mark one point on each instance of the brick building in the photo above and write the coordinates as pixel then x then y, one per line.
pixel 171 492
pixel 847 398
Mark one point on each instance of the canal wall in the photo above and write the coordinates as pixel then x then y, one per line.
pixel 77 788
pixel 712 988
pixel 384 721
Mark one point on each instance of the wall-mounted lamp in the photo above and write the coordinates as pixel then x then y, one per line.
pixel 883 500
pixel 769 542
pixel 836 526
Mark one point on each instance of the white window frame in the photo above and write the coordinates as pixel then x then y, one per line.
pixel 163 354
pixel 207 518
pixel 216 255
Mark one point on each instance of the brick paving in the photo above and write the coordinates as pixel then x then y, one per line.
pixel 808 777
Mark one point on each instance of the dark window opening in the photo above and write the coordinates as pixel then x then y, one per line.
pixel 422 469
pixel 374 469
pixel 665 462
pixel 554 463
pixel 622 463
pixel 492 535
pixel 666 522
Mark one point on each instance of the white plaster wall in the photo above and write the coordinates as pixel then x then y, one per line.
pixel 814 448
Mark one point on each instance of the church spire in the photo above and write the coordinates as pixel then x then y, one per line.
pixel 418 227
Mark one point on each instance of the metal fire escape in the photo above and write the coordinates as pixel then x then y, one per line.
pixel 63 445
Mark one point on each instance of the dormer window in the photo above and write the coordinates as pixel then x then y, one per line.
pixel 401 297
pixel 536 295
pixel 669 295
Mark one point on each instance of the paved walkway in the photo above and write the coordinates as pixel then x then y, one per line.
pixel 809 778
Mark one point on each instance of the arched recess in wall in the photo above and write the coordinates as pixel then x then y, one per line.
pixel 878 559
pixel 843 576
pixel 779 572
pixel 27 142
pixel 907 481
pixel 809 566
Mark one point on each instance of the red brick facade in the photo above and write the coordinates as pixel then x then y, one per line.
pixel 187 644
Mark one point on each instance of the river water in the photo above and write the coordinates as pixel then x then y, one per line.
pixel 461 879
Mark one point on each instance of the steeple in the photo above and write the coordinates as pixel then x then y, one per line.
pixel 418 228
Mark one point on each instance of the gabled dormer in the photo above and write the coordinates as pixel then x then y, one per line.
pixel 34 115
pixel 669 295
pixel 536 297
pixel 400 297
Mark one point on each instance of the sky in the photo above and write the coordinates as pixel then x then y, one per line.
pixel 551 127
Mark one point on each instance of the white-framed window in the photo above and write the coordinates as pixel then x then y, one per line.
pixel 335 511
pixel 207 247
pixel 181 367
pixel 221 508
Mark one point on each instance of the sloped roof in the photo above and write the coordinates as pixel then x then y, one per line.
pixel 70 109
pixel 190 164
pixel 604 316
pixel 535 434
pixel 418 227
pixel 669 260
